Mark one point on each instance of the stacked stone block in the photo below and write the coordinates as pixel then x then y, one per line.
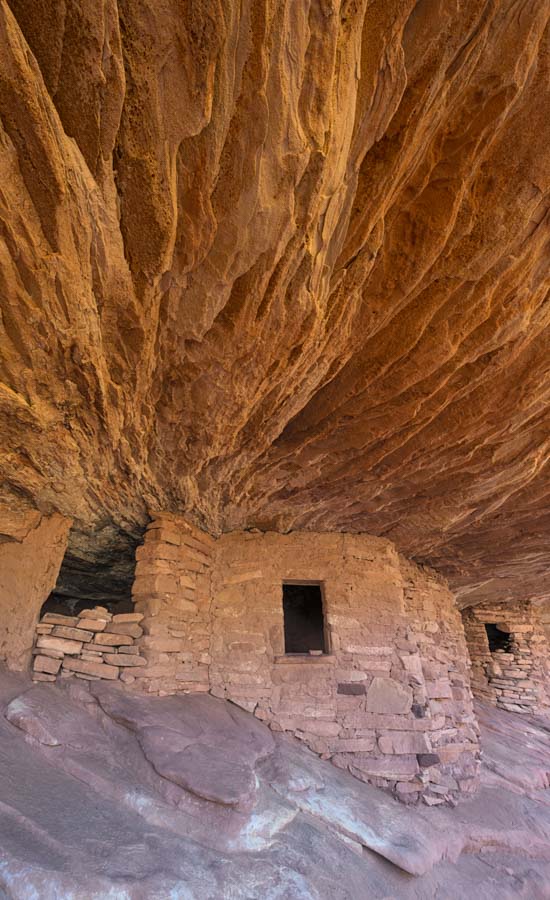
pixel 517 679
pixel 91 645
pixel 172 592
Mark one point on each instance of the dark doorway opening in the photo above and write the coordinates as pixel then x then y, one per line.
pixel 498 639
pixel 304 620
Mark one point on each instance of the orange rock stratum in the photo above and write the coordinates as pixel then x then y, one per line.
pixel 280 264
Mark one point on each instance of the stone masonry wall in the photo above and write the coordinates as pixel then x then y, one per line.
pixel 172 591
pixel 435 629
pixel 91 645
pixel 391 700
pixel 517 680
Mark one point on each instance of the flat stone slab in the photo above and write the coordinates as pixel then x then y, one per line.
pixel 128 617
pixel 124 659
pixel 88 667
pixel 130 628
pixel 112 640
pixel 58 619
pixel 61 645
pixel 92 624
pixel 72 634
pixel 46 664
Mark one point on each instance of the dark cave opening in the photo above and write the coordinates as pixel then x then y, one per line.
pixel 97 570
pixel 498 639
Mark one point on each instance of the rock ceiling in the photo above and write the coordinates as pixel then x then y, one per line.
pixel 284 264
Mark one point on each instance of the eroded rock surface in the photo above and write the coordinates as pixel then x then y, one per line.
pixel 279 264
pixel 29 566
pixel 98 794
pixel 208 747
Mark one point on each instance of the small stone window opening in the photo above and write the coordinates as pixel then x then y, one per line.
pixel 498 639
pixel 304 620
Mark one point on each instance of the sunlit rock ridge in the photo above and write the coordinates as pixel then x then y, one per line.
pixel 280 265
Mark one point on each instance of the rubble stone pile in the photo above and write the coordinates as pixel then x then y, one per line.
pixel 92 645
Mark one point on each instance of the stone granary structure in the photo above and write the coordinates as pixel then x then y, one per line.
pixel 382 689
pixel 510 655
pixel 274 333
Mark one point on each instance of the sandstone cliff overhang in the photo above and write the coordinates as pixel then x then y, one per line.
pixel 279 265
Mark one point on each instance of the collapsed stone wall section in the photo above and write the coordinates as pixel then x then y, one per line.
pixel 172 591
pixel 92 645
pixel 516 679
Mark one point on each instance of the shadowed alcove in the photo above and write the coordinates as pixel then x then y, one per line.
pixel 97 570
pixel 498 639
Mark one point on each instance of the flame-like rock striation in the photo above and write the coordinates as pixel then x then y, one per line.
pixel 280 265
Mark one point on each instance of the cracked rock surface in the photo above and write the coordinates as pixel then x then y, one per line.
pixel 281 265
pixel 105 794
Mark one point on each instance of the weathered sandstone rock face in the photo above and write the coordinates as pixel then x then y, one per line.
pixel 280 264
pixel 108 794
pixel 29 566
